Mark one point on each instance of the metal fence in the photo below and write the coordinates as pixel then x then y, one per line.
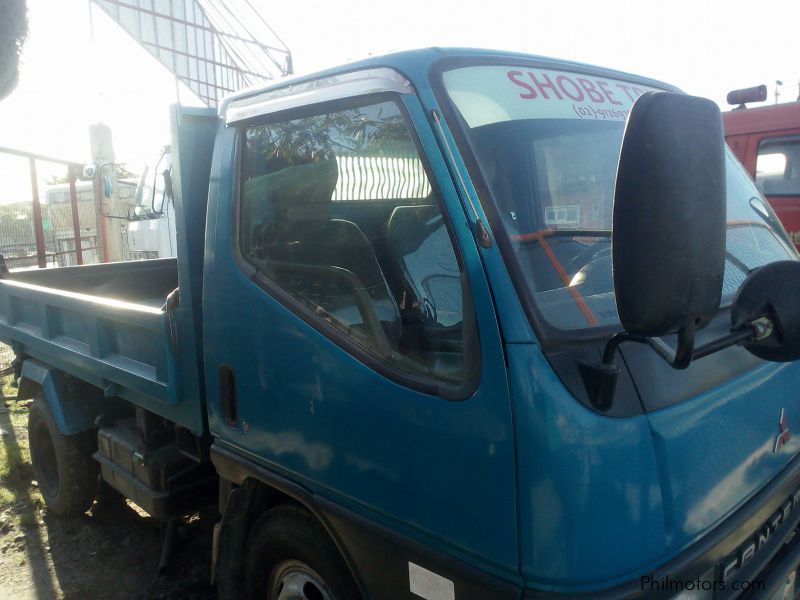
pixel 57 223
pixel 380 178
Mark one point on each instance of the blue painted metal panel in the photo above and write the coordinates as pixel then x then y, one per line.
pixel 69 418
pixel 193 131
pixel 120 347
pixel 590 501
pixel 33 320
pixel 438 471
pixel 72 414
pixel 647 487
pixel 715 451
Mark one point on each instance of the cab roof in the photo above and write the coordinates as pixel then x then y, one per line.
pixel 410 62
pixel 774 117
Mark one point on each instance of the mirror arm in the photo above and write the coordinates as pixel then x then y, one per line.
pixel 600 380
pixel 736 336
pixel 683 355
pixel 677 359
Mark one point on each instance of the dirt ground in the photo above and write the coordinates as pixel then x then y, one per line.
pixel 112 551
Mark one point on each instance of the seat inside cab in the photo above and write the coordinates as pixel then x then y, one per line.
pixel 382 270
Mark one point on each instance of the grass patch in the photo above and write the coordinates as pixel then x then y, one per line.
pixel 14 451
pixel 19 498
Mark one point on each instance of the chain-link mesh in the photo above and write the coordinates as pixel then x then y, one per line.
pixel 57 222
pixel 18 222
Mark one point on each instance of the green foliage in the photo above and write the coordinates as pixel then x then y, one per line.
pixel 367 131
pixel 13 31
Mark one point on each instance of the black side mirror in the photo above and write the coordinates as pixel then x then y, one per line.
pixel 167 175
pixel 769 298
pixel 668 247
pixel 668 244
pixel 668 233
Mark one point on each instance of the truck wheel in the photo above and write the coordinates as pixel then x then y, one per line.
pixel 62 464
pixel 290 556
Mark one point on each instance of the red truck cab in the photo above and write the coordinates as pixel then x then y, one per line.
pixel 767 142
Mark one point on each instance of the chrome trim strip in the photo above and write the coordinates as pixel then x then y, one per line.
pixel 79 297
pixel 335 87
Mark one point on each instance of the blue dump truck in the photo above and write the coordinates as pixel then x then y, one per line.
pixel 443 324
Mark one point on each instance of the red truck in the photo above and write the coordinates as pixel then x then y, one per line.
pixel 766 140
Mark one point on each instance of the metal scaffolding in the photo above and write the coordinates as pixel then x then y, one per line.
pixel 214 47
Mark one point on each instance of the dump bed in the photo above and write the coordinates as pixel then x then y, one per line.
pixel 107 325
pixel 110 324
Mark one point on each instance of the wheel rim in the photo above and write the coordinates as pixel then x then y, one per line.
pixel 44 458
pixel 294 580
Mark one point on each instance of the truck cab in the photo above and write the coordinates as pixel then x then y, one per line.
pixel 471 198
pixel 151 231
pixel 766 140
pixel 449 324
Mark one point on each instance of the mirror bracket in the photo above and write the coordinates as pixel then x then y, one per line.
pixel 763 328
pixel 600 379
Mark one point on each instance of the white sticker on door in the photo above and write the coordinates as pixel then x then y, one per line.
pixel 427 584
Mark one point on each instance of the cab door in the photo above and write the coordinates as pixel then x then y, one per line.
pixel 347 313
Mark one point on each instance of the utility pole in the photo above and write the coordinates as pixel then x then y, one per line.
pixel 102 151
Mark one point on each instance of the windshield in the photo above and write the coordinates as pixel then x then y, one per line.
pixel 547 144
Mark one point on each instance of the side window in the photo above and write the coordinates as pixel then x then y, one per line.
pixel 778 167
pixel 337 210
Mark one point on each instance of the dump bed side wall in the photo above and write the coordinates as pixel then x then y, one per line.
pixel 121 348
pixel 141 282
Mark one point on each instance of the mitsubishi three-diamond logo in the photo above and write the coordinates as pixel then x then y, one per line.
pixel 784 435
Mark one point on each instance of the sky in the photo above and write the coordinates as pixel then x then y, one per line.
pixel 73 74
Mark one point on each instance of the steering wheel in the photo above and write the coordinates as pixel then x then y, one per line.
pixel 588 255
pixel 595 276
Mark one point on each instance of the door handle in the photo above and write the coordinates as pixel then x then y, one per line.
pixel 227 395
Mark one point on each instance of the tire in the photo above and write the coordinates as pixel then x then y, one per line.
pixel 288 551
pixel 63 465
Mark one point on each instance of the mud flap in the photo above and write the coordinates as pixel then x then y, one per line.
pixel 230 540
